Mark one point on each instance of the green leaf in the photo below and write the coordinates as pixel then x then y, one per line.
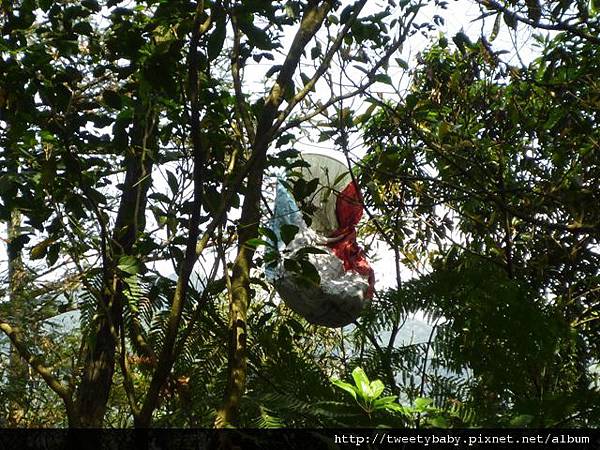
pixel 443 130
pixel 439 422
pixel 388 403
pixel 396 407
pixel 555 116
pixel 345 386
pixel 383 401
pixel 522 420
pixel 346 13
pixel 17 243
pixel 309 250
pixel 129 264
pixel 377 388
pixel 216 39
pixel 305 78
pixel 282 140
pixel 47 136
pixel 268 233
pixel 83 28
pixel 288 232
pixel 172 182
pixel 401 63
pixel 91 4
pixel 292 265
pixel 273 70
pixel 256 37
pixel 97 197
pixel 160 197
pixel 256 242
pixel 315 52
pixel 496 28
pixel 309 272
pixel 290 91
pixel 362 382
pixel 46 4
pixel 271 257
pixel 510 20
pixel 363 118
pixel 421 403
pixel 326 134
pixel 39 251
pixel 383 78
pixel 311 186
pixel 112 99
pixel 52 254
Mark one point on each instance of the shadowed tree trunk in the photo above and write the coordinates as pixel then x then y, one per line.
pixel 99 351
pixel 18 372
pixel 314 14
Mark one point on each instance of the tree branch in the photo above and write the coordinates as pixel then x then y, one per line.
pixel 312 20
pixel 242 111
pixel 370 80
pixel 37 365
pixel 166 356
pixel 560 26
pixel 322 67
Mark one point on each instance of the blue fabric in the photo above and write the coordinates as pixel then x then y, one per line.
pixel 339 298
pixel 286 211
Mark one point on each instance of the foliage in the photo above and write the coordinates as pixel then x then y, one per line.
pixel 367 393
pixel 478 161
pixel 136 149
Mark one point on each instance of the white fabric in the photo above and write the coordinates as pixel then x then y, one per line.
pixel 328 170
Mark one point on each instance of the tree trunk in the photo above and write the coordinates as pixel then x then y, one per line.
pixel 228 414
pixel 18 372
pixel 240 299
pixel 166 358
pixel 99 352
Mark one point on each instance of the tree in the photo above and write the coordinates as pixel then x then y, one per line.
pixel 136 152
pixel 98 101
pixel 493 170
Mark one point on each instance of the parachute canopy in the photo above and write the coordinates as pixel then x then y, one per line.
pixel 322 273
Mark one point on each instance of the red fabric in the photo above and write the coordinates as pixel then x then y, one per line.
pixel 349 210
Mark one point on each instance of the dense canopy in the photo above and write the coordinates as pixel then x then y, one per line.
pixel 140 146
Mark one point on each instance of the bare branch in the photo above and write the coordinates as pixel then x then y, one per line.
pixel 362 88
pixel 321 69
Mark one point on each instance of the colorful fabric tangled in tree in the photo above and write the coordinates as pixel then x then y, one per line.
pixel 345 278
